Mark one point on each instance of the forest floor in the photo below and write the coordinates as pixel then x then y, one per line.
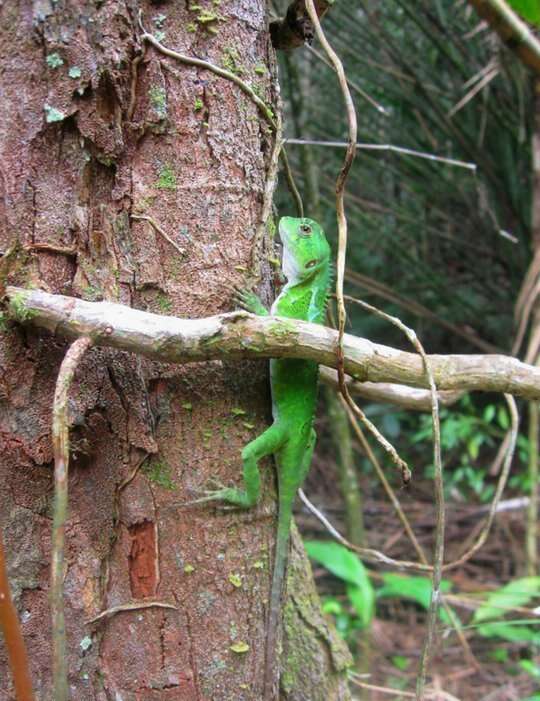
pixel 491 669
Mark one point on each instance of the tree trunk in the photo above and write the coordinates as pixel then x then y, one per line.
pixel 97 132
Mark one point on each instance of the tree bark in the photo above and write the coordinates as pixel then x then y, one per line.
pixel 95 132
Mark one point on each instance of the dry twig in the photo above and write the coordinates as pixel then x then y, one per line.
pixel 340 186
pixel 60 435
pixel 130 606
pixel 159 229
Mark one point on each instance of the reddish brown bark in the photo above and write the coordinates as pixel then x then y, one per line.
pixel 93 132
pixel 74 182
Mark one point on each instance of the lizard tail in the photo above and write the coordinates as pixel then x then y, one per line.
pixel 271 669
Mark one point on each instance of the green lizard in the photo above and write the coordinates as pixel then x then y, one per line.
pixel 291 437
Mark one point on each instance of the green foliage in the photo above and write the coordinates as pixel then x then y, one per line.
pixel 18 308
pixel 429 232
pixel 164 304
pixel 400 662
pixel 531 668
pixel 469 434
pixel 417 589
pixel 348 567
pixel 528 9
pixel 515 594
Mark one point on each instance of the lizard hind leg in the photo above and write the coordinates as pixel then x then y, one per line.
pixel 267 443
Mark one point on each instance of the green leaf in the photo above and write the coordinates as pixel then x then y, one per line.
pixel 516 593
pixel 348 567
pixel 417 589
pixel 528 9
pixel 332 606
pixel 489 413
pixel 502 418
pixel 336 558
pixel 498 654
pixel 400 662
pixel 530 667
pixel 363 600
pixel 508 630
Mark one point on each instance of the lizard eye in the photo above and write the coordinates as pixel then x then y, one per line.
pixel 312 263
pixel 305 230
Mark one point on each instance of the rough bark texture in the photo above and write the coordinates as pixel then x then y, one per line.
pixel 92 132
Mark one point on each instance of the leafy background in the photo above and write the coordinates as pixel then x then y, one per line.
pixel 445 248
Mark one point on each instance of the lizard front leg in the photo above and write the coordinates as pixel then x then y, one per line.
pixel 248 300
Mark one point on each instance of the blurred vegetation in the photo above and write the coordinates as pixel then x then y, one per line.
pixel 444 247
pixel 434 233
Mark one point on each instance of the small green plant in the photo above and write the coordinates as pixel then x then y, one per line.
pixel 231 61
pixel 166 178
pixel 164 304
pixel 489 618
pixel 54 60
pixel 158 100
pixel 159 472
pixel 362 595
pixel 349 568
pixel 417 589
pixel 467 433
pixel 198 105
pixel 531 668
pixel 18 308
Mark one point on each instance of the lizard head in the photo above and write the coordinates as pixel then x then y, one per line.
pixel 305 248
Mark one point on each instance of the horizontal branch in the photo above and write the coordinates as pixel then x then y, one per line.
pixel 243 335
pixel 398 395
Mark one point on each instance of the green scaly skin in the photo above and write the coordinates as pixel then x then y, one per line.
pixel 291 438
